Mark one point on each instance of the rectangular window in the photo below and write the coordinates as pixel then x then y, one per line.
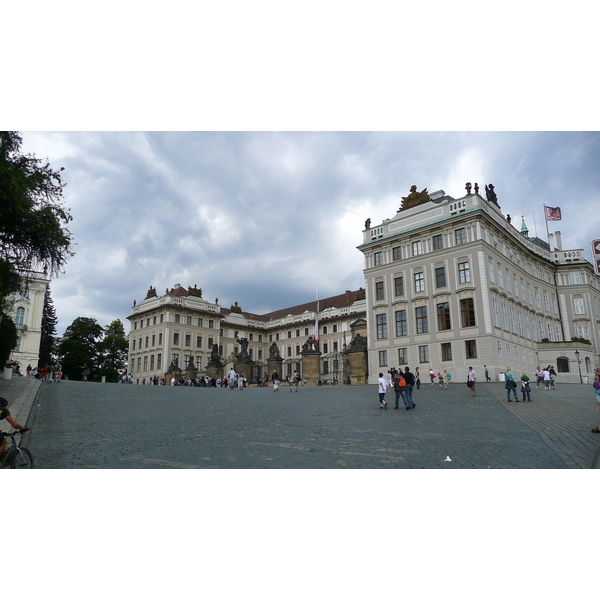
pixel 159 361
pixel 335 347
pixel 198 341
pixel 440 277
pixel 176 339
pixel 438 242
pixel 417 248
pixel 289 351
pixel 325 330
pixel 504 315
pixel 146 342
pixel 401 327
pixel 492 271
pixel 575 278
pixel 399 286
pixel 464 273
pixel 378 258
pixel 382 327
pixel 379 293
pixel 177 318
pixel 419 282
pixel 383 358
pixel 153 340
pixel 447 351
pixel 471 349
pixel 334 329
pixel 423 354
pixel 579 306
pixel 199 321
pixel 260 355
pixel 290 334
pixel 154 321
pixel 133 346
pixel 460 235
pixel 325 348
pixel 175 359
pixel 443 315
pixel 397 253
pixel 211 343
pixel 139 364
pixel 500 277
pixel 210 324
pixel 297 350
pixel 161 318
pixel 402 356
pixel 188 340
pixel 508 282
pixel 421 317
pixel 305 331
pixel 160 339
pixel 467 312
pixel 188 320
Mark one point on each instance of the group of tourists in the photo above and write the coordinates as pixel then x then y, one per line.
pixel 45 373
pixel 402 383
pixel 546 377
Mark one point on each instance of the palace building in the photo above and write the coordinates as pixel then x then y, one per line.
pixel 181 328
pixel 452 283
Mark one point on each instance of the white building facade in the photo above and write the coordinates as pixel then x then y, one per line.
pixel 451 283
pixel 27 311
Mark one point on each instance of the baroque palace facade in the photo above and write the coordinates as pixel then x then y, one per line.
pixel 181 327
pixel 451 283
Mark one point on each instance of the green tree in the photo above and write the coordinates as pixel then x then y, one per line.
pixel 8 339
pixel 79 345
pixel 113 351
pixel 33 232
pixel 48 337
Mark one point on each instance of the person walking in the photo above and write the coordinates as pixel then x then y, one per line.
pixel 275 380
pixel 552 377
pixel 597 394
pixel 487 374
pixel 547 379
pixel 399 388
pixel 85 372
pixel 410 382
pixel 417 378
pixel 432 376
pixel 471 381
pixel 539 377
pixel 28 371
pixel 510 384
pixel 525 387
pixel 383 387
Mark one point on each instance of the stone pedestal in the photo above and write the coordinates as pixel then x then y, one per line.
pixel 247 368
pixel 311 367
pixel 274 366
pixel 214 371
pixel 359 371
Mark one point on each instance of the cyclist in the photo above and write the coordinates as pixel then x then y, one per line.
pixel 4 414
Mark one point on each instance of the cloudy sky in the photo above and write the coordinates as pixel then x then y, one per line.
pixel 265 218
pixel 242 148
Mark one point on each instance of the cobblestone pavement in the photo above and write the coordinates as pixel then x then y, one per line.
pixel 89 425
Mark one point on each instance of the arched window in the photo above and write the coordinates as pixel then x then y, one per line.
pixel 562 364
pixel 20 316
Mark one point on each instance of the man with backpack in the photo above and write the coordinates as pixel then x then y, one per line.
pixel 410 382
pixel 399 387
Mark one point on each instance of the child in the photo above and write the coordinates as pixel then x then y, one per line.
pixel 525 387
pixel 383 387
pixel 58 376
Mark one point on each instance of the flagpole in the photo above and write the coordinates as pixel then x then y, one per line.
pixel 547 230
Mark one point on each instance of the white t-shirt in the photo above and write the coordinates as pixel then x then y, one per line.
pixel 382 385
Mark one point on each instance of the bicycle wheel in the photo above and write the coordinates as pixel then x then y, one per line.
pixel 22 459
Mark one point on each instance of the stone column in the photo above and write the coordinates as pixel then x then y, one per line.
pixel 311 367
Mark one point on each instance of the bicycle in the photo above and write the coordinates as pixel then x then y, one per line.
pixel 14 455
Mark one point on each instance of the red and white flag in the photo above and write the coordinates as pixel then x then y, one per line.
pixel 552 214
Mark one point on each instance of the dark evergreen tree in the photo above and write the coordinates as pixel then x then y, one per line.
pixel 8 339
pixel 79 345
pixel 48 337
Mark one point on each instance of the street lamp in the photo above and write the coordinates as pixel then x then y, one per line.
pixel 579 365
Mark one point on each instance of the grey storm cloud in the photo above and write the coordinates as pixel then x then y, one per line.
pixel 265 218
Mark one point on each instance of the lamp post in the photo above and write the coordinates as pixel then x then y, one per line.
pixel 579 365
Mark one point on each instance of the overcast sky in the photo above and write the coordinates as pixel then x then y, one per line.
pixel 262 219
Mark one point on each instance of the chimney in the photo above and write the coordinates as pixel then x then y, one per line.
pixel 558 240
pixel 551 241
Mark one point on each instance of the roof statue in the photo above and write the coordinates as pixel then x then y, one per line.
pixel 274 352
pixel 468 188
pixel 414 198
pixel 368 224
pixel 235 308
pixel 491 195
pixel 151 293
pixel 195 291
